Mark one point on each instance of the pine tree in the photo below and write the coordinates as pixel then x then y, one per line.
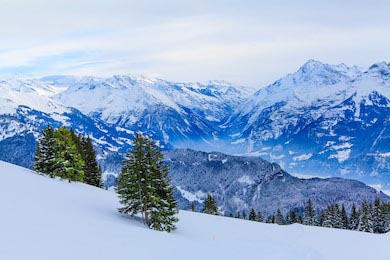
pixel 45 152
pixel 144 186
pixel 344 218
pixel 238 215
pixel 328 218
pixel 259 217
pixel 93 175
pixel 337 221
pixel 292 217
pixel 279 219
pixel 309 217
pixel 365 218
pixel 192 207
pixel 68 162
pixel 378 217
pixel 354 218
pixel 210 206
pixel 252 215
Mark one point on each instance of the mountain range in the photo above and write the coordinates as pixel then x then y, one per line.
pixel 322 120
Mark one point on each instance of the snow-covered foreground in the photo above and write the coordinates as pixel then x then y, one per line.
pixel 42 218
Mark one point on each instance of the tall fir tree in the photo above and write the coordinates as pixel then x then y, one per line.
pixel 309 217
pixel 45 152
pixel 93 175
pixel 354 218
pixel 143 186
pixel 68 162
pixel 344 218
pixel 365 218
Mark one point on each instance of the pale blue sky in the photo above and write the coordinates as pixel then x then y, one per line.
pixel 246 42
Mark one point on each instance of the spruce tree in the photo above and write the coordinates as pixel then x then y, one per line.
pixel 144 186
pixel 354 218
pixel 259 217
pixel 279 219
pixel 68 162
pixel 93 175
pixel 45 152
pixel 365 218
pixel 252 215
pixel 378 217
pixel 210 206
pixel 344 218
pixel 192 207
pixel 309 217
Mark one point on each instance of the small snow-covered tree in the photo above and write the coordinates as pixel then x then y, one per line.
pixel 365 218
pixel 354 218
pixel 309 217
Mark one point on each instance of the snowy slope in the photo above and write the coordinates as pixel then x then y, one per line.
pixel 47 219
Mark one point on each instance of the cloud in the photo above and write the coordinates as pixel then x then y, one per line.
pixel 250 44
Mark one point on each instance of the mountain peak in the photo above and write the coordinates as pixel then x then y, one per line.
pixel 311 65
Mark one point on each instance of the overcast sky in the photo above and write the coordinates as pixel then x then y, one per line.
pixel 249 43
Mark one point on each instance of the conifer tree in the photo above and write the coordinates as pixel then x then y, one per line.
pixel 93 175
pixel 309 217
pixel 144 186
pixel 68 162
pixel 378 217
pixel 243 214
pixel 279 219
pixel 45 152
pixel 292 217
pixel 259 217
pixel 192 207
pixel 365 219
pixel 344 218
pixel 354 218
pixel 210 206
pixel 252 215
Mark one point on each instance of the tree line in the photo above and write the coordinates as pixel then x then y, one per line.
pixel 62 153
pixel 368 217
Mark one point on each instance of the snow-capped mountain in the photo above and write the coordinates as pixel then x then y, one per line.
pixel 328 120
pixel 27 106
pixel 323 119
pixel 177 113
pixel 240 183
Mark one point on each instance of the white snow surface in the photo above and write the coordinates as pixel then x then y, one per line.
pixel 45 219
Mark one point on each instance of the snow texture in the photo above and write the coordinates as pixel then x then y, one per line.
pixel 45 219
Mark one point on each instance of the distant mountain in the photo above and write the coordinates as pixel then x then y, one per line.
pixel 27 106
pixel 181 114
pixel 323 119
pixel 241 183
